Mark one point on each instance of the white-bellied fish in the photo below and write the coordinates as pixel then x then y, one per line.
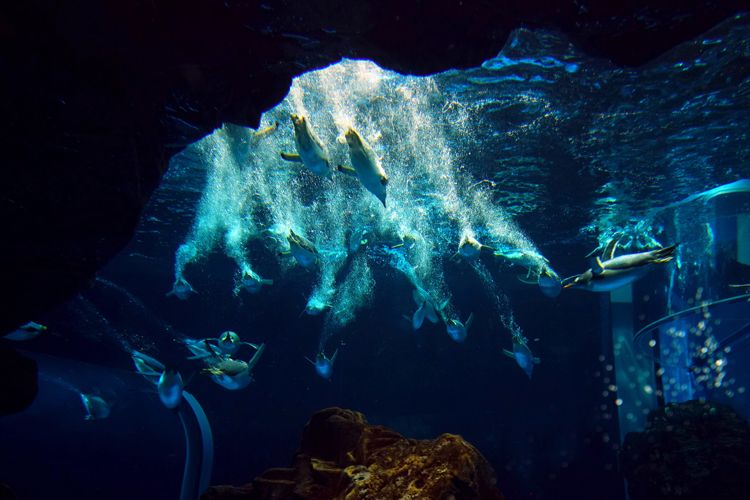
pixel 522 354
pixel 150 368
pixel 426 308
pixel 365 166
pixel 303 251
pixel 26 331
pixel 549 282
pixel 233 374
pixel 170 386
pixel 181 289
pixel 457 330
pixel 323 365
pixel 253 282
pixel 311 151
pixel 469 248
pixel 168 383
pixel 96 407
pixel 609 272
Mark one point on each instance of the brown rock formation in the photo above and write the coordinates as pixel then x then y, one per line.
pixel 342 456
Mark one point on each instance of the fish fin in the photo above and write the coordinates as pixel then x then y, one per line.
pixel 201 356
pixel 254 346
pixel 663 255
pixel 268 282
pixel 344 169
pixel 536 360
pixel 509 354
pixel 591 253
pixel 254 360
pixel 526 280
pixel 291 157
pixel 335 353
pixel 609 250
pixel 596 266
pixel 469 321
pixel 568 282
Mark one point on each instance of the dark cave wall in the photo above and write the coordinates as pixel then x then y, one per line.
pixel 96 96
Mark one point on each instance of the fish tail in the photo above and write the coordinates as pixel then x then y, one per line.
pixel 663 255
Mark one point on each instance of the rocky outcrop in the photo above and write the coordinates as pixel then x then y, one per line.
pixel 342 456
pixel 692 450
pixel 97 96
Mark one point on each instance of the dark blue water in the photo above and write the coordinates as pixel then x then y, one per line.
pixel 542 153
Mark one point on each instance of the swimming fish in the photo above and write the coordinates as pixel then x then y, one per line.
pixel 426 308
pixel 96 407
pixel 524 258
pixel 26 331
pixel 227 344
pixel 316 305
pixel 365 166
pixel 549 282
pixel 609 272
pixel 323 365
pixel 170 386
pixel 357 239
pixel 522 354
pixel 311 151
pixel 181 289
pixel 150 368
pixel 168 383
pixel 234 374
pixel 469 248
pixel 266 131
pixel 457 330
pixel 253 282
pixel 303 251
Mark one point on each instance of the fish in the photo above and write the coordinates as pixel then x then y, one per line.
pixel 303 251
pixel 310 150
pixel 27 331
pixel 457 330
pixel 169 387
pixel 609 272
pixel 96 407
pixel 365 166
pixel 522 354
pixel 181 289
pixel 253 282
pixel 234 374
pixel 469 248
pixel 169 384
pixel 323 365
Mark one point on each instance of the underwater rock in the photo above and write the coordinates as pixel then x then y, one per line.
pixel 691 450
pixel 18 381
pixel 342 456
pixel 98 96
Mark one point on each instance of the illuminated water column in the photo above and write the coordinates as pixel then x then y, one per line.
pixel 634 373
